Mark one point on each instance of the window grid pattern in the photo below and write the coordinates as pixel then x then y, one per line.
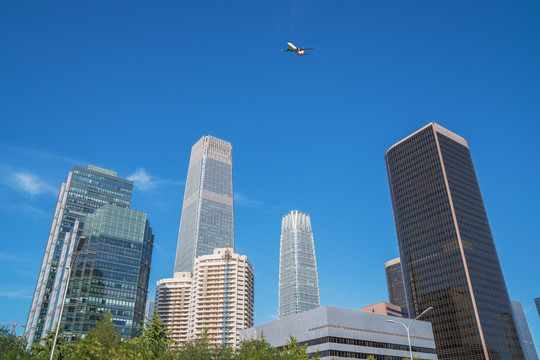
pixel 207 220
pixel 430 250
pixel 298 278
pixel 111 274
pixel 85 190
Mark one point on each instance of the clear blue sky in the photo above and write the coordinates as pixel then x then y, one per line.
pixel 131 86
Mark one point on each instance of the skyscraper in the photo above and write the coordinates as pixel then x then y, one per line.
pixel 394 282
pixel 298 279
pixel 522 327
pixel 84 191
pixel 111 274
pixel 448 255
pixel 537 303
pixel 207 220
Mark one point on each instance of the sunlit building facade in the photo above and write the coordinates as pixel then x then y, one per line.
pixel 173 303
pixel 222 297
pixel 341 334
pixel 84 191
pixel 207 220
pixel 448 254
pixel 298 278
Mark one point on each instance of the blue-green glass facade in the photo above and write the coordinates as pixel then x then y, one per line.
pixel 84 191
pixel 111 274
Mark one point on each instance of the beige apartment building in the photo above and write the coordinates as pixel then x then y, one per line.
pixel 173 300
pixel 218 298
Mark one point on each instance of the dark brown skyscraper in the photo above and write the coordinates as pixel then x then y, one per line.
pixel 446 247
pixel 394 281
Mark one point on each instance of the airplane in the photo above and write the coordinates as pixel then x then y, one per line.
pixel 297 50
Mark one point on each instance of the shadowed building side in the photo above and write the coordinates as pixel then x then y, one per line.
pixel 394 282
pixel 448 255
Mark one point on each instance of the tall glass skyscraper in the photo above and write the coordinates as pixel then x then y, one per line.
pixel 448 255
pixel 522 327
pixel 111 274
pixel 84 191
pixel 394 282
pixel 298 279
pixel 207 220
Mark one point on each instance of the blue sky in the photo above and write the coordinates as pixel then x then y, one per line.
pixel 131 86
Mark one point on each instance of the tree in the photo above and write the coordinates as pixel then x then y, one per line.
pixel 12 346
pixel 256 349
pixel 202 349
pixel 101 342
pixel 42 349
pixel 293 351
pixel 371 357
pixel 155 337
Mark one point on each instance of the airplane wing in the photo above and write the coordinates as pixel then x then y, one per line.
pixel 287 50
pixel 307 48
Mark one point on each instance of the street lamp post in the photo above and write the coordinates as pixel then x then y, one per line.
pixel 407 327
pixel 79 247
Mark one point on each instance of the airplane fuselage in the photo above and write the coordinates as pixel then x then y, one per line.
pixel 298 51
pixel 295 49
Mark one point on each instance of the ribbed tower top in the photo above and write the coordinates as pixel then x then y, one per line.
pixel 295 219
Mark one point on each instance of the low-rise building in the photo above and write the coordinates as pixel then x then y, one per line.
pixel 341 334
pixel 384 308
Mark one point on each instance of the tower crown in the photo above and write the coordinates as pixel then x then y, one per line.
pixel 295 219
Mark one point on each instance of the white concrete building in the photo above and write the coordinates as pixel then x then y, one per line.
pixel 343 334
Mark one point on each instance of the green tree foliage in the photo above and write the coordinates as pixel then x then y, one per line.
pixel 42 349
pixel 105 343
pixel 101 342
pixel 155 337
pixel 256 349
pixel 371 357
pixel 202 349
pixel 293 351
pixel 12 346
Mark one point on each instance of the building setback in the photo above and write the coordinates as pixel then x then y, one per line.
pixel 84 191
pixel 448 254
pixel 298 279
pixel 338 333
pixel 394 282
pixel 207 220
pixel 219 297
pixel 525 338
pixel 384 308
